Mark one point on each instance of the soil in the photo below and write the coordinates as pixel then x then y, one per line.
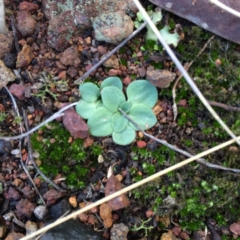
pixel 158 210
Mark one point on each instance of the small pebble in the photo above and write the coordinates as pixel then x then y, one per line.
pixel 141 144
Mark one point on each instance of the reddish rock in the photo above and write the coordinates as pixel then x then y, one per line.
pixel 25 23
pixel 184 235
pixel 28 192
pixel 102 49
pixel 62 75
pixel 75 124
pixel 24 57
pixel 141 144
pixel 70 57
pixel 24 209
pixel 17 91
pixel 52 196
pixel 72 72
pixel 113 72
pixel 176 230
pixel 31 7
pixel 6 43
pixel 127 80
pixel 61 28
pixel 12 194
pixel 182 103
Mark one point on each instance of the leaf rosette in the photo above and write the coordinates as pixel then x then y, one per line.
pixel 101 106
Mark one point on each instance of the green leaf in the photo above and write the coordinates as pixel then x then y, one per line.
pixel 125 106
pixel 85 109
pixel 170 38
pixel 100 122
pixel 119 122
pixel 125 137
pixel 112 97
pixel 89 92
pixel 112 81
pixel 142 91
pixel 143 116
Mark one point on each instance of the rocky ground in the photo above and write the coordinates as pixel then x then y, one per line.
pixel 49 46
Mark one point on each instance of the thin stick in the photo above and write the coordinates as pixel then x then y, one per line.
pixel 20 148
pixel 131 187
pixel 224 106
pixel 185 153
pixel 175 111
pixel 183 71
pixel 226 8
pixel 54 116
pixel 108 55
pixel 31 157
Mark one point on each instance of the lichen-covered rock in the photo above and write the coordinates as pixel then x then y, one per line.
pixel 113 27
pixel 119 232
pixel 61 28
pixel 24 57
pixel 6 75
pixel 51 9
pixel 6 42
pixel 71 17
pixel 25 23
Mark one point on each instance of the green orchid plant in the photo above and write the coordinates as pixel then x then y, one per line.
pixel 102 108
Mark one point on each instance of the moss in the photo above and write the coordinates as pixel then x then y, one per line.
pixel 58 156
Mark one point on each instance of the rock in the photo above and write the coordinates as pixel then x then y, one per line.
pixel 31 227
pixel 12 194
pixel 5 147
pixel 6 43
pixel 119 232
pixel 75 124
pixel 6 75
pixel 24 209
pixel 160 78
pixel 73 201
pixel 10 60
pixel 28 192
pixel 70 57
pixel 72 72
pixel 141 144
pixel 168 236
pixel 41 212
pixel 199 235
pixel 24 57
pixel 63 27
pixel 72 229
pixel 111 62
pixel 14 236
pixel 25 23
pixel 31 7
pixel 60 208
pixel 51 196
pixel 53 8
pixel 93 8
pixel 113 27
pixel 3 227
pixel 18 91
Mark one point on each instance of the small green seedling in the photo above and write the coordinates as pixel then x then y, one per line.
pixel 156 16
pixel 101 106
